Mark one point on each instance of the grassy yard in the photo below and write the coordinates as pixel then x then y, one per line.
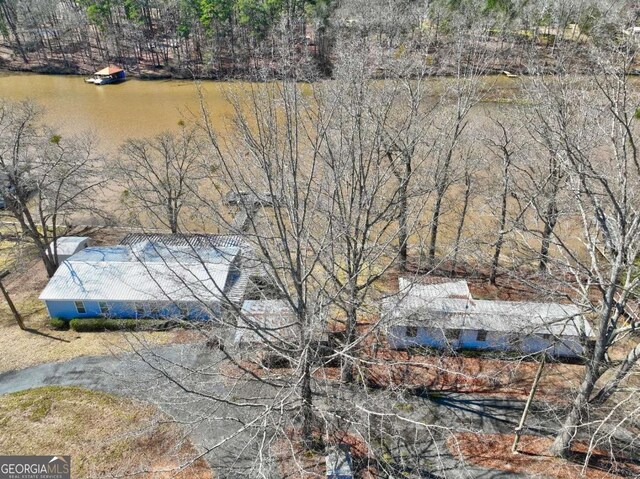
pixel 105 435
pixel 20 349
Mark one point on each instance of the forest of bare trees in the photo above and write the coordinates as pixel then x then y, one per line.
pixel 227 38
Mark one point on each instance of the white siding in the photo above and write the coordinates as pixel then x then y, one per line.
pixel 495 340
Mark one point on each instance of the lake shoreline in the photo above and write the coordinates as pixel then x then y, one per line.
pixel 164 74
pixel 69 71
pixel 151 77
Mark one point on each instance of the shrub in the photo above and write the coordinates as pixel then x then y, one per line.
pixel 58 324
pixel 85 325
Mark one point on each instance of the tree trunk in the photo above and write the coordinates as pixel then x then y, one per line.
pixel 463 216
pixel 562 443
pixel 347 375
pixel 403 216
pixel 12 306
pixel 435 223
pixel 501 226
pixel 607 391
pixel 549 224
pixel 525 413
pixel 306 394
pixel 575 418
pixel 506 163
pixel 30 230
pixel 172 214
pixel 441 189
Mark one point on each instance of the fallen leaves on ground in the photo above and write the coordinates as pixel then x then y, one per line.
pixel 493 451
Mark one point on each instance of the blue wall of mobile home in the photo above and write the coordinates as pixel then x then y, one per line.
pixel 67 310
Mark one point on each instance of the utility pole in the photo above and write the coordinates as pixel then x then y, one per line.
pixel 525 413
pixel 3 274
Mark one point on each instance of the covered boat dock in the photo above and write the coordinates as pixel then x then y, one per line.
pixel 110 74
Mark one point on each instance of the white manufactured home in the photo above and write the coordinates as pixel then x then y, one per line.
pixel 156 276
pixel 440 316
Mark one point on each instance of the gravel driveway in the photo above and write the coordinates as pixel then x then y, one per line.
pixel 147 376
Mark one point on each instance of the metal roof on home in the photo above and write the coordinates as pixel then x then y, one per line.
pixel 143 272
pixel 247 261
pixel 266 320
pixel 149 252
pixel 503 316
pixel 67 245
pixel 196 241
pixel 446 289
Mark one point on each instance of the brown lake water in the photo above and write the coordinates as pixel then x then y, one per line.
pixel 134 108
pixel 137 108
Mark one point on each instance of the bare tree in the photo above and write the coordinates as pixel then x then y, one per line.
pixel 503 148
pixel 367 208
pixel 160 176
pixel 47 180
pixel 594 123
pixel 468 189
pixel 465 93
pixel 407 128
pixel 274 157
pixel 541 181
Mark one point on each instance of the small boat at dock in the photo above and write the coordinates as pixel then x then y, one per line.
pixel 107 75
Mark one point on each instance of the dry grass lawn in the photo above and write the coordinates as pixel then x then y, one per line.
pixel 20 349
pixel 105 435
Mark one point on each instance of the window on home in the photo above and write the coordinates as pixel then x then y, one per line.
pixel 482 335
pixel 452 334
pixel 104 307
pixel 547 337
pixel 514 340
pixel 139 310
pixel 80 307
pixel 411 331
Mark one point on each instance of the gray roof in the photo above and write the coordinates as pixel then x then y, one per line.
pixel 247 260
pixel 68 245
pixel 266 320
pixel 503 316
pixel 196 241
pixel 142 272
pixel 434 290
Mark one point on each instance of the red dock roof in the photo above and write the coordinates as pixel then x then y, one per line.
pixel 110 70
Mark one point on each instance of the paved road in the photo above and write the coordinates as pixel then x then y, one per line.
pixel 199 404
